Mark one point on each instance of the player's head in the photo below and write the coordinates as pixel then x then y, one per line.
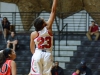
pixel 7 54
pixel 39 23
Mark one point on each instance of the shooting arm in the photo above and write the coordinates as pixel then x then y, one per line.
pixel 52 15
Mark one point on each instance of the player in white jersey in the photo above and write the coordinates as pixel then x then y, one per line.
pixel 41 44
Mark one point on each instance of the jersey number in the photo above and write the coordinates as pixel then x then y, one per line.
pixel 4 69
pixel 41 41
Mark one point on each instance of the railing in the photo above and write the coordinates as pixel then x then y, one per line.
pixel 59 36
pixel 78 22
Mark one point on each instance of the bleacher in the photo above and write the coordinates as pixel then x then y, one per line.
pixel 69 47
pixel 23 59
pixel 69 55
pixel 88 51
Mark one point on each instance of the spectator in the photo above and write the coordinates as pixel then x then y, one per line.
pixel 6 27
pixel 57 70
pixel 77 72
pixel 84 70
pixel 93 30
pixel 7 63
pixel 12 41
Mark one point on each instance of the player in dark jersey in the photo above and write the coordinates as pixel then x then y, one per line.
pixel 7 65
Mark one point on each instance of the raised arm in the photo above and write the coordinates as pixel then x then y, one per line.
pixel 52 15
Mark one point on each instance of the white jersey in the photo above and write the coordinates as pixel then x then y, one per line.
pixel 44 40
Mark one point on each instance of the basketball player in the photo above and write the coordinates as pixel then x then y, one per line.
pixel 7 65
pixel 42 38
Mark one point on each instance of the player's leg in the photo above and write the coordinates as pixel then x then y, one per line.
pixel 47 63
pixel 36 63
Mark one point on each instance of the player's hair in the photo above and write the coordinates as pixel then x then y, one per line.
pixel 4 55
pixel 38 23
